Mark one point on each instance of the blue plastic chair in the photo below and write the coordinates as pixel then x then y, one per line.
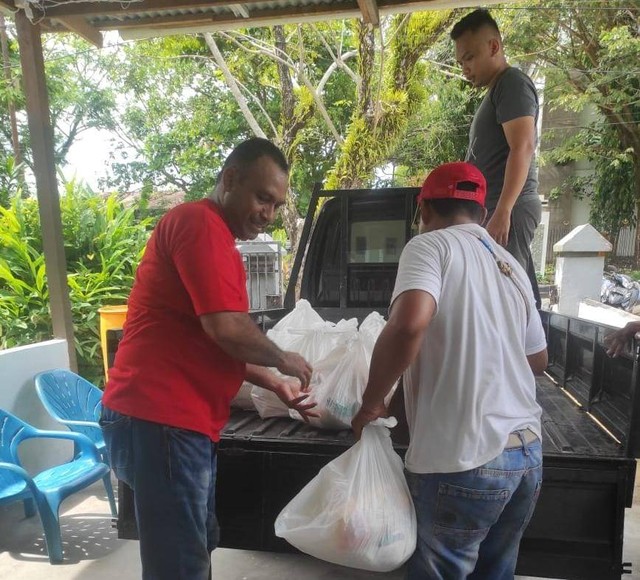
pixel 46 490
pixel 73 401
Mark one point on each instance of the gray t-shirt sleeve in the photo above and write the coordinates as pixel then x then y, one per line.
pixel 514 96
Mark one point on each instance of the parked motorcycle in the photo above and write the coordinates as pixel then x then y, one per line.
pixel 619 290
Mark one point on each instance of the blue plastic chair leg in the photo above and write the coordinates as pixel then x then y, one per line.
pixel 51 525
pixel 29 508
pixel 112 500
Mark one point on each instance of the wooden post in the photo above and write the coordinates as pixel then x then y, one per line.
pixel 41 133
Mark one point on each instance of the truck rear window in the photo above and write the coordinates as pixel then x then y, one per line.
pixel 354 250
pixel 374 242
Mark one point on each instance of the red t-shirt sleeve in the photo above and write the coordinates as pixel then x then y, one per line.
pixel 209 265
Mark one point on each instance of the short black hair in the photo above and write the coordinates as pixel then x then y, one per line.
pixel 251 150
pixel 473 22
pixel 448 207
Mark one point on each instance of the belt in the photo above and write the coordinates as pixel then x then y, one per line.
pixel 514 440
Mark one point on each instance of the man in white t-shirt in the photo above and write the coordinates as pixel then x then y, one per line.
pixel 464 330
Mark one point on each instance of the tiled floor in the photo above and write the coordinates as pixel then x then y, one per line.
pixel 93 551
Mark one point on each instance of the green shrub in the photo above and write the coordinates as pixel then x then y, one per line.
pixel 24 295
pixel 103 241
pixel 635 274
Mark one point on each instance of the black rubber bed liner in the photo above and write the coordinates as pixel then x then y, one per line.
pixel 567 430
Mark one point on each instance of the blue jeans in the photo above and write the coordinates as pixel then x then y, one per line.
pixel 470 523
pixel 173 475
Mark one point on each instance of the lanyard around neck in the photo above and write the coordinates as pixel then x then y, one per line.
pixel 505 269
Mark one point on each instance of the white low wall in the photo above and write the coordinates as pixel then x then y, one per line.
pixel 595 311
pixel 18 367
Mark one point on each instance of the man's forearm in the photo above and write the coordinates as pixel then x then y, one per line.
pixel 249 344
pixel 261 376
pixel 240 337
pixel 515 176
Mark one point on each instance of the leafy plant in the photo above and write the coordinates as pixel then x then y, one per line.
pixel 24 296
pixel 104 242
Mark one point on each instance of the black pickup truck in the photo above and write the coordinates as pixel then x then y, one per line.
pixel 345 267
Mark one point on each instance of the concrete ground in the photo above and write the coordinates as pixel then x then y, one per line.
pixel 93 551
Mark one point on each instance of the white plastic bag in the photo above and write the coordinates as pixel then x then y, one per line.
pixel 370 330
pixel 339 380
pixel 302 316
pixel 337 385
pixel 243 399
pixel 316 342
pixel 302 331
pixel 357 511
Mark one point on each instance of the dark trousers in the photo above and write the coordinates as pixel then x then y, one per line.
pixel 525 218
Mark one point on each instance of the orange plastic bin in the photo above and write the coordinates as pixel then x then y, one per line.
pixel 111 318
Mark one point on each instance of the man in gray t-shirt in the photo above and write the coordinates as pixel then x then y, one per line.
pixel 503 137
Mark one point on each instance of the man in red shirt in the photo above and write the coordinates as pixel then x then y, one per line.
pixel 188 344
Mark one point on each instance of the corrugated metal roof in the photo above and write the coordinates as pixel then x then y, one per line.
pixel 133 14
pixel 137 21
pixel 149 18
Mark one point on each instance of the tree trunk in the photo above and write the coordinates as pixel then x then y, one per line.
pixel 233 86
pixel 293 118
pixel 348 171
pixel 287 136
pixel 372 137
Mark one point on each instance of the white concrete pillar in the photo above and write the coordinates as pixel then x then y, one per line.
pixel 541 266
pixel 579 265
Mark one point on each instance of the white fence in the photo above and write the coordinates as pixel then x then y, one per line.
pixel 263 264
pixel 624 246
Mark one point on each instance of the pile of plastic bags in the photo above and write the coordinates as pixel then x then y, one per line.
pixel 357 511
pixel 340 355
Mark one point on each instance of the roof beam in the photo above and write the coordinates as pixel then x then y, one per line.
pixel 81 27
pixel 264 18
pixel 406 6
pixel 370 13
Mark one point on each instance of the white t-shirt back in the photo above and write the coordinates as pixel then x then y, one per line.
pixel 470 385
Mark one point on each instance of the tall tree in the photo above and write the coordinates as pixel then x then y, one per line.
pixel 590 58
pixel 80 97
pixel 439 130
pixel 390 93
pixel 291 84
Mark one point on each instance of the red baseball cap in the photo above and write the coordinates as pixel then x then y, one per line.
pixel 458 180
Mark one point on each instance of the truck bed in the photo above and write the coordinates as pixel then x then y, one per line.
pixel 263 464
pixel 567 430
pixel 577 527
